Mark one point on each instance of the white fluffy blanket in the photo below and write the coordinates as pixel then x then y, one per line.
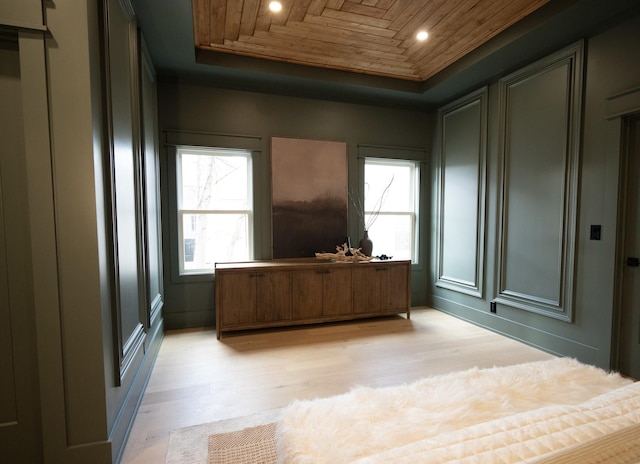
pixel 376 423
pixel 524 437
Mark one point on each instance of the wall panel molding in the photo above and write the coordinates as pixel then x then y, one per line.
pixel 150 175
pixel 125 183
pixel 461 194
pixel 540 109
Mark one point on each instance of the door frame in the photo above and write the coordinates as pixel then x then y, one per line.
pixel 621 109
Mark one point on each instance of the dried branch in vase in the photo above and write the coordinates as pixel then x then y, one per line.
pixel 358 204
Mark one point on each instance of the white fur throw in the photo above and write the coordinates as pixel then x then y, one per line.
pixel 367 421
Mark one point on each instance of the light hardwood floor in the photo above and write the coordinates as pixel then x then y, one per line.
pixel 198 379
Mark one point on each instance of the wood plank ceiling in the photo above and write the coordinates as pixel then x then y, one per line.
pixel 375 37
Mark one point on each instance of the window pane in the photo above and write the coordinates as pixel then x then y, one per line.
pixel 215 206
pixel 392 235
pixel 377 178
pixel 214 182
pixel 394 231
pixel 211 238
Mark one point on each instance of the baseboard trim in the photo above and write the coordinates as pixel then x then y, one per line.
pixel 529 335
pixel 122 427
pixel 189 319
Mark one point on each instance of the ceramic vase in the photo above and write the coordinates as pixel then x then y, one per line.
pixel 366 245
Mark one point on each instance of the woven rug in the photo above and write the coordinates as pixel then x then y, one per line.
pixel 190 445
pixel 253 445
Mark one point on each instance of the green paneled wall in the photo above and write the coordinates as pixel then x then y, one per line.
pixel 527 176
pixel 196 108
pixel 610 67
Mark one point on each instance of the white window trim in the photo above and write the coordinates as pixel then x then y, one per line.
pixel 180 213
pixel 415 200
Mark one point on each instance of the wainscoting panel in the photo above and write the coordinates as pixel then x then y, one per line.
pixel 540 110
pixel 151 178
pixel 461 194
pixel 133 193
pixel 125 184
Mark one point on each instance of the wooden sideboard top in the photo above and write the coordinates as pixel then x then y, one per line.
pixel 292 263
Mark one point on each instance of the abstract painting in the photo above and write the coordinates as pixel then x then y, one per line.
pixel 308 196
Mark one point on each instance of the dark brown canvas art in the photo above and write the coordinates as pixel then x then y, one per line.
pixel 309 196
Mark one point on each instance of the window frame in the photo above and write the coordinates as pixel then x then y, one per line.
pixel 414 198
pixel 181 212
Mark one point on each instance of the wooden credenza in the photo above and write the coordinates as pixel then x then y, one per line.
pixel 283 292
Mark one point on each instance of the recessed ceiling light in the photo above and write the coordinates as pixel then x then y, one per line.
pixel 422 36
pixel 275 6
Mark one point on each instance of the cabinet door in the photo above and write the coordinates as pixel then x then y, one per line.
pixel 366 289
pixel 273 302
pixel 306 294
pixel 21 12
pixel 393 287
pixel 237 298
pixel 336 292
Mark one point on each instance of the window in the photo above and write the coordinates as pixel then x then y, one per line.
pixel 394 231
pixel 215 207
